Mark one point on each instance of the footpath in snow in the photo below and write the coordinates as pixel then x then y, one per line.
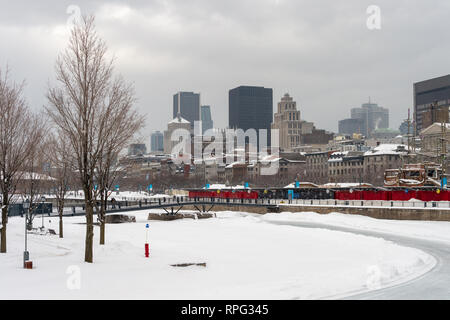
pixel 246 258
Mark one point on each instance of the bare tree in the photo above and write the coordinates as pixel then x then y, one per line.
pixel 81 107
pixel 62 172
pixel 124 123
pixel 33 181
pixel 20 131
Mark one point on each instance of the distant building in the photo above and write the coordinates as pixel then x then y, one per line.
pixel 137 149
pixel 287 121
pixel 317 137
pixel 351 126
pixel 316 170
pixel 431 101
pixel 404 128
pixel 355 165
pixel 372 142
pixel 381 158
pixel 365 119
pixel 294 133
pixel 385 134
pixel 177 123
pixel 432 138
pixel 206 118
pixel 157 141
pixel 374 117
pixel 187 104
pixel 251 108
pixel 342 143
pixel 346 166
pixel 435 113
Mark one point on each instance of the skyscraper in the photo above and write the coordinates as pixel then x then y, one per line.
pixel 287 121
pixel 377 115
pixel 251 108
pixel 351 126
pixel 431 101
pixel 206 118
pixel 187 104
pixel 365 120
pixel 157 141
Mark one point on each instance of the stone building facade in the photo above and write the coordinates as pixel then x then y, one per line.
pixel 287 121
pixel 354 166
pixel 293 131
pixel 381 158
pixel 316 167
pixel 431 138
pixel 176 123
pixel 347 166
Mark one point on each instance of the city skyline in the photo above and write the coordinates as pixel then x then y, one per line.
pixel 312 53
pixel 224 150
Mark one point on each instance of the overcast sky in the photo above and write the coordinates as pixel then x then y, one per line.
pixel 321 52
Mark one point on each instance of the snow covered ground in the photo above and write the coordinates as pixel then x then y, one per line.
pixel 247 258
pixel 431 230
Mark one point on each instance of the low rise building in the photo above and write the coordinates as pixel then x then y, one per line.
pixel 381 158
pixel 316 169
pixel 346 166
pixel 432 138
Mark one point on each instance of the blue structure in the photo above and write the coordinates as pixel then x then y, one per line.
pixel 157 141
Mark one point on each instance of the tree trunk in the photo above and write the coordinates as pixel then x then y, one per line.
pixel 60 212
pixel 4 223
pixel 3 230
pixel 102 231
pixel 61 234
pixel 89 248
pixel 102 214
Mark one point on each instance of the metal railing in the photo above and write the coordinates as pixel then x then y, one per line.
pixel 185 201
pixel 369 203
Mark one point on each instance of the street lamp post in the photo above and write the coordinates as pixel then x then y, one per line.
pixel 26 254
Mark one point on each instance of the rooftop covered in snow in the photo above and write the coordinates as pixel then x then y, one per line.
pixel 387 149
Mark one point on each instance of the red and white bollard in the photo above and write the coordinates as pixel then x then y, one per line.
pixel 147 250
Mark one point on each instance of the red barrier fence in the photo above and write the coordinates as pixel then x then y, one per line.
pixel 224 194
pixel 391 195
pixel 394 195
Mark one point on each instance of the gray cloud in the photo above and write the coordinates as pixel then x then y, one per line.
pixel 319 51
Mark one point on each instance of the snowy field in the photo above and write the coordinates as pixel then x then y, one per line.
pixel 430 230
pixel 246 257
